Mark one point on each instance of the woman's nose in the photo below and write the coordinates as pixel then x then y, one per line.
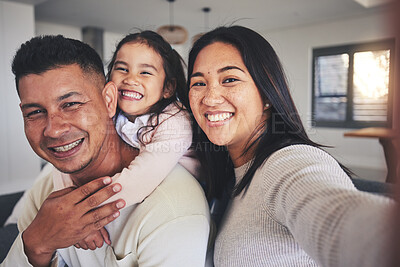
pixel 213 96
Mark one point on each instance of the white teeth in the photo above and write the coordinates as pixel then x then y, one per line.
pixel 134 95
pixel 67 147
pixel 219 117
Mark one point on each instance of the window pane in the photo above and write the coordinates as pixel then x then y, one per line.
pixel 371 85
pixel 331 74
pixel 331 78
pixel 330 108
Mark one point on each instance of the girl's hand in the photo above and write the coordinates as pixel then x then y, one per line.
pixel 94 240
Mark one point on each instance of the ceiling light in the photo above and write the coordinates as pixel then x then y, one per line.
pixel 173 34
pixel 206 10
pixel 372 3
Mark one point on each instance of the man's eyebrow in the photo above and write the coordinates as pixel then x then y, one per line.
pixel 59 99
pixel 30 105
pixel 67 95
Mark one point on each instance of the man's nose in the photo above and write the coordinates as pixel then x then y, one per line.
pixel 213 95
pixel 56 126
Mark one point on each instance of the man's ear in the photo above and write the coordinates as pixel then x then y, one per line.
pixel 169 89
pixel 110 96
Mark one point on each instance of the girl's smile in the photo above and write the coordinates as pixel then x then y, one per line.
pixel 139 75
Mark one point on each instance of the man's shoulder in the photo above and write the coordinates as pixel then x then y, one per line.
pixel 176 205
pixel 43 185
pixel 181 192
pixel 178 196
pixel 35 197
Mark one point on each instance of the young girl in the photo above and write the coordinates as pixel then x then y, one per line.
pixel 150 79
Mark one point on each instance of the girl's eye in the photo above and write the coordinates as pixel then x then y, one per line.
pixel 145 73
pixel 121 69
pixel 230 80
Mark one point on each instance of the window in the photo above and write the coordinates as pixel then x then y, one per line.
pixel 352 85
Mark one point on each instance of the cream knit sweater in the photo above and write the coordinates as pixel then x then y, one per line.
pixel 301 209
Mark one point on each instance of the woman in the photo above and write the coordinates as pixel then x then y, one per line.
pixel 292 204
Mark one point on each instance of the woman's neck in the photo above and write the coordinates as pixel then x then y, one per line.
pixel 239 157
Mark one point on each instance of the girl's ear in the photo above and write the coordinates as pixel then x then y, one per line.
pixel 110 98
pixel 169 89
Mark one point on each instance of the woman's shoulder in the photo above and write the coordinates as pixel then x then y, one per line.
pixel 300 151
pixel 300 156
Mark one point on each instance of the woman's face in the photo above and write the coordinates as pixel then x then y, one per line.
pixel 224 98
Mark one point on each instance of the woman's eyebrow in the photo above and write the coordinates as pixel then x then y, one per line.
pixel 200 74
pixel 229 68
pixel 197 74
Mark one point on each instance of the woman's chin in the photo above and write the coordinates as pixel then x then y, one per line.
pixel 219 141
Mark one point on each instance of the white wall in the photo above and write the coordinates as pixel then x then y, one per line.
pixel 46 28
pixel 18 163
pixel 294 47
pixel 110 40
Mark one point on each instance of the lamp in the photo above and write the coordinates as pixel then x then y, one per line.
pixel 173 34
pixel 206 10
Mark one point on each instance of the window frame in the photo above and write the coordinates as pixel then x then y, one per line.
pixel 351 49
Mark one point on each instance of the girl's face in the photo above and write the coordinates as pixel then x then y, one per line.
pixel 224 99
pixel 139 75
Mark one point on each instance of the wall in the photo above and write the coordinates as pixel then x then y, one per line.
pixel 294 47
pixel 43 28
pixel 18 163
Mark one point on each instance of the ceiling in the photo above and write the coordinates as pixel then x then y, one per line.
pixel 122 16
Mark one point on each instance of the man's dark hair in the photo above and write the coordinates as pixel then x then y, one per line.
pixel 48 52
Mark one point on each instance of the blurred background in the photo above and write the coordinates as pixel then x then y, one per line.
pixel 329 50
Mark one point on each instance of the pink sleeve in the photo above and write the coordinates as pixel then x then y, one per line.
pixel 169 142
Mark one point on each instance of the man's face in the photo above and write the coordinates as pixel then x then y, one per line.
pixel 65 117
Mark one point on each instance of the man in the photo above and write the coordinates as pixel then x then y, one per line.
pixel 68 113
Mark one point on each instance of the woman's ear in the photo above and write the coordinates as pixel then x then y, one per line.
pixel 110 98
pixel 267 105
pixel 169 89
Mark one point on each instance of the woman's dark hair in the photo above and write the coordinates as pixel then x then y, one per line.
pixel 173 65
pixel 281 129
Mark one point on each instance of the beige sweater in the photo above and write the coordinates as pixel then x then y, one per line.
pixel 301 209
pixel 169 228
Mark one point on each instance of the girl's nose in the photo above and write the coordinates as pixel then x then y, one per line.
pixel 131 80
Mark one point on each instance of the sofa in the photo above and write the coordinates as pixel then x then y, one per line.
pixel 9 232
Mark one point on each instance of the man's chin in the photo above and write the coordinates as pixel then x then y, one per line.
pixel 71 168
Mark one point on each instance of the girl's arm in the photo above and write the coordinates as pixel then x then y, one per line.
pixel 170 140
